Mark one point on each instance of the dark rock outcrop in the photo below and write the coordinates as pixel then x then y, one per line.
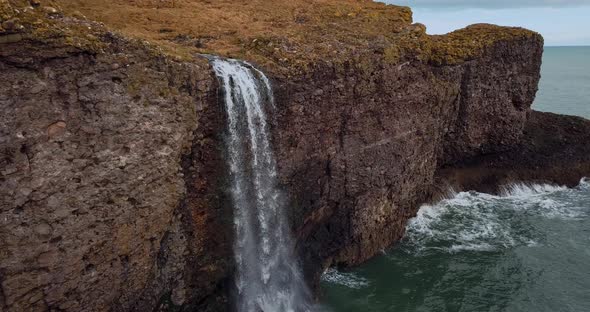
pixel 358 145
pixel 112 185
pixel 94 213
pixel 554 149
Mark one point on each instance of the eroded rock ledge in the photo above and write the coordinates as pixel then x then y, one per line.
pixel 554 149
pixel 112 172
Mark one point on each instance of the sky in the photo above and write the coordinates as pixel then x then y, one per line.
pixel 561 22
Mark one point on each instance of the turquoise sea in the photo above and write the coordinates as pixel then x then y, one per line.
pixel 526 250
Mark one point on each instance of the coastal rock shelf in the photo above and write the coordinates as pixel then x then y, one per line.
pixel 113 178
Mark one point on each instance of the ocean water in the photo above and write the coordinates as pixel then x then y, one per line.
pixel 526 250
pixel 565 81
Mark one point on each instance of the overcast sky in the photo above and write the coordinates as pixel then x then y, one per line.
pixel 561 22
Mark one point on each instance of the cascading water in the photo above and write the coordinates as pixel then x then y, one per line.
pixel 268 277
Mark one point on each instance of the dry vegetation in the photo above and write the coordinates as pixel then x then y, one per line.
pixel 279 31
pixel 286 34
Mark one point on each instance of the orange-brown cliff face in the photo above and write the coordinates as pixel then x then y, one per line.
pixel 113 190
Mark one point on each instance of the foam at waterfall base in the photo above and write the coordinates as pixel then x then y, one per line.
pixel 346 279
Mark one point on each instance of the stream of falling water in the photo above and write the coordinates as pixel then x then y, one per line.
pixel 268 277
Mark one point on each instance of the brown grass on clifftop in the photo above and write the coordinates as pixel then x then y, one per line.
pixel 279 30
pixel 285 34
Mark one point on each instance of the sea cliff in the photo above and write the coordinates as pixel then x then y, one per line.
pixel 113 188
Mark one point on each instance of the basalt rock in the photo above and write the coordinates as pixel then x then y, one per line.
pixel 113 194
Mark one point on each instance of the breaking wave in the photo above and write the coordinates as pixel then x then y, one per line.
pixel 472 221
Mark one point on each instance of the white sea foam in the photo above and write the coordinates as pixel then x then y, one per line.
pixel 346 279
pixel 584 183
pixel 526 190
pixel 472 221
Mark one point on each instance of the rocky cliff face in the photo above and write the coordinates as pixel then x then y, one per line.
pixel 113 194
pixel 553 149
pixel 94 210
pixel 359 144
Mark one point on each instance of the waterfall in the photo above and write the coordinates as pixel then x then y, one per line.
pixel 268 277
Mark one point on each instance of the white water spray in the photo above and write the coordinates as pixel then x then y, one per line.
pixel 268 278
pixel 472 221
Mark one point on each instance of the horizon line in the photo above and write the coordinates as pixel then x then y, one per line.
pixel 567 45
